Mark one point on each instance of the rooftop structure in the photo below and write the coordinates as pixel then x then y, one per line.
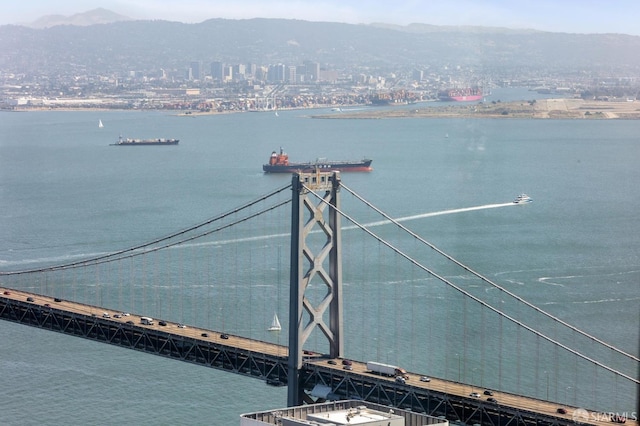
pixel 336 413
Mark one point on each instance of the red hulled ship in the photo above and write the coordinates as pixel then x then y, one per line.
pixel 466 94
pixel 279 163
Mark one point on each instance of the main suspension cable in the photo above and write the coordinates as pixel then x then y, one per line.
pixel 117 254
pixel 472 297
pixel 488 281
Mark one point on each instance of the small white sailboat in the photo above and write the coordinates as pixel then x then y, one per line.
pixel 275 324
pixel 100 125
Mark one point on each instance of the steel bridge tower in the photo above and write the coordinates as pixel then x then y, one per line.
pixel 324 265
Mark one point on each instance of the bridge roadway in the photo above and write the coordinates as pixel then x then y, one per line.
pixel 312 361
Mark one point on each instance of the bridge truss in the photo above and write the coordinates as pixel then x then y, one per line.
pixel 316 252
pixel 273 369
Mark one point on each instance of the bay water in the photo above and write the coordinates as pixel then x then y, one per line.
pixel 66 193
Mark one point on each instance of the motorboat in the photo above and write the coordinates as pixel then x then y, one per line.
pixel 522 199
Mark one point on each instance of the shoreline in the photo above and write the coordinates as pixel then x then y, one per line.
pixel 555 108
pixel 539 109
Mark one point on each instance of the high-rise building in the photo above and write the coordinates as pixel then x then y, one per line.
pixel 251 69
pixel 239 71
pixel 196 70
pixel 217 71
pixel 312 71
pixel 276 73
pixel 227 73
pixel 291 75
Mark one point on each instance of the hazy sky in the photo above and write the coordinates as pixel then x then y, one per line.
pixel 573 16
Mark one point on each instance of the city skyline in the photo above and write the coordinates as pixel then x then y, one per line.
pixel 570 16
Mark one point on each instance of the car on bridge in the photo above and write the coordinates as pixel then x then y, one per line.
pixel 488 392
pixel 474 395
pixel 224 336
pixel 425 379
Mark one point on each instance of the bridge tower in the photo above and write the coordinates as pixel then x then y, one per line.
pixel 323 265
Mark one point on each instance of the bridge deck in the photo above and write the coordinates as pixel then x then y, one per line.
pixel 311 361
pixel 170 327
pixel 519 402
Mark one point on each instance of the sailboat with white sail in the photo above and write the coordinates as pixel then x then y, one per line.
pixel 100 125
pixel 275 324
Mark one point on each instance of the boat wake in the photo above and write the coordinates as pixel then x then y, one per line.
pixel 346 228
pixel 268 237
pixel 53 259
pixel 589 302
pixel 554 280
pixel 432 214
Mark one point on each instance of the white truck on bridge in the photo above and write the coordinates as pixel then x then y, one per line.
pixel 146 321
pixel 387 370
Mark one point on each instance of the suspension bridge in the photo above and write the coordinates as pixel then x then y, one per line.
pixel 356 285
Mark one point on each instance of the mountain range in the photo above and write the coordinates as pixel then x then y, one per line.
pixel 91 17
pixel 101 41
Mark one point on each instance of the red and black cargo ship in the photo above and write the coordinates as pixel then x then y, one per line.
pixel 279 163
pixel 467 94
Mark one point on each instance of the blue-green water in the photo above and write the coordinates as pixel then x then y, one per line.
pixel 574 251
